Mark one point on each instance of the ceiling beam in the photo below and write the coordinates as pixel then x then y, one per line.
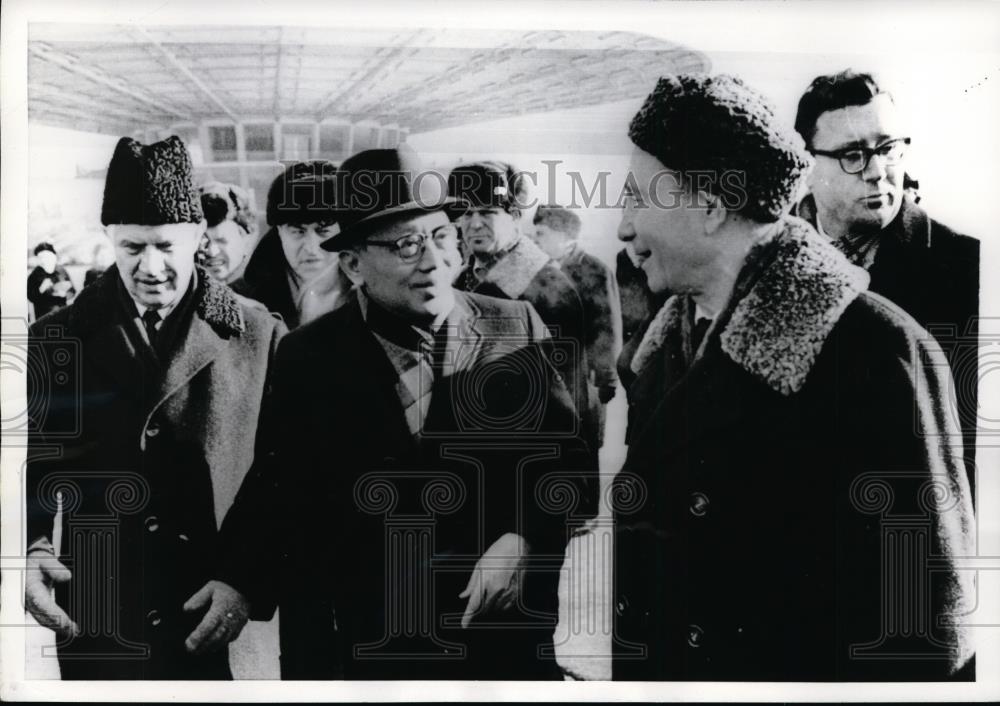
pixel 175 62
pixel 75 66
pixel 390 56
pixel 42 91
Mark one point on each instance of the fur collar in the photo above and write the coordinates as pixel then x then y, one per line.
pixel 514 271
pixel 776 331
pixel 215 303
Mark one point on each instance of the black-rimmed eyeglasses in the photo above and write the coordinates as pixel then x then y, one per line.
pixel 410 247
pixel 855 160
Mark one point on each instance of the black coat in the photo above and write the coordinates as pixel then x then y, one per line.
pixel 149 453
pixel 526 273
pixel 932 273
pixel 47 301
pixel 777 486
pixel 345 474
pixel 265 279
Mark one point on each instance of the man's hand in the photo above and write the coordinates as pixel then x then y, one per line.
pixel 43 570
pixel 495 583
pixel 227 613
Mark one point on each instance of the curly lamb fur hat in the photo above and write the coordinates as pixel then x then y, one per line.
pixel 719 125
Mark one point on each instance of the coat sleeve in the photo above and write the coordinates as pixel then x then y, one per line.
pixel 605 324
pixel 907 482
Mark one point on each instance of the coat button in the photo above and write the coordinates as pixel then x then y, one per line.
pixel 621 605
pixel 152 430
pixel 696 636
pixel 699 504
pixel 153 618
pixel 152 523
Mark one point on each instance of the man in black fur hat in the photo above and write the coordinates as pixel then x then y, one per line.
pixel 793 505
pixel 505 262
pixel 142 433
pixel 428 464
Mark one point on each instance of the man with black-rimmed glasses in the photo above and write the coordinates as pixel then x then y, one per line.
pixel 857 200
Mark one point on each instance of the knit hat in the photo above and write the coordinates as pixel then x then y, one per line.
pixel 305 192
pixel 150 185
pixel 718 125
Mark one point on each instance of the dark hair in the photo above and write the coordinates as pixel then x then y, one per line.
pixel 833 92
pixel 558 218
pixel 42 247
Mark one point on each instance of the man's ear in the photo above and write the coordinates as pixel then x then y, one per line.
pixel 715 212
pixel 350 263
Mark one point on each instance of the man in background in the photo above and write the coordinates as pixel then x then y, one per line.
pixel 289 272
pixel 857 199
pixel 557 233
pixel 505 263
pixel 49 285
pixel 230 232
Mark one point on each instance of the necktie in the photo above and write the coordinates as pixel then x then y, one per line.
pixel 439 351
pixel 698 333
pixel 150 319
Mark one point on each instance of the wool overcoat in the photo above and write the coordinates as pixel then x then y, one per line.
pixel 353 513
pixel 147 453
pixel 793 505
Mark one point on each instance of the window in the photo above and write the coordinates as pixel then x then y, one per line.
pixel 259 142
pixel 222 138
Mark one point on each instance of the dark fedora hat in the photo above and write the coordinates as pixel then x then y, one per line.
pixel 378 185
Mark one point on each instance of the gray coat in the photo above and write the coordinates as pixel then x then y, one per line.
pixel 148 455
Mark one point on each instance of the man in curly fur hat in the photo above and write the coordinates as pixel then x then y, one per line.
pixel 143 429
pixel 793 505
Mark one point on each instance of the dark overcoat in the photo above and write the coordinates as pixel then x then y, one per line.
pixel 526 273
pixel 932 273
pixel 265 279
pixel 385 527
pixel 148 453
pixel 793 504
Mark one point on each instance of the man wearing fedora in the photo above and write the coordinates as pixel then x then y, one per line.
pixel 793 505
pixel 428 460
pixel 143 428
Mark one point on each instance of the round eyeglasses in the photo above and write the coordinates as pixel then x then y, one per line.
pixel 855 160
pixel 410 247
